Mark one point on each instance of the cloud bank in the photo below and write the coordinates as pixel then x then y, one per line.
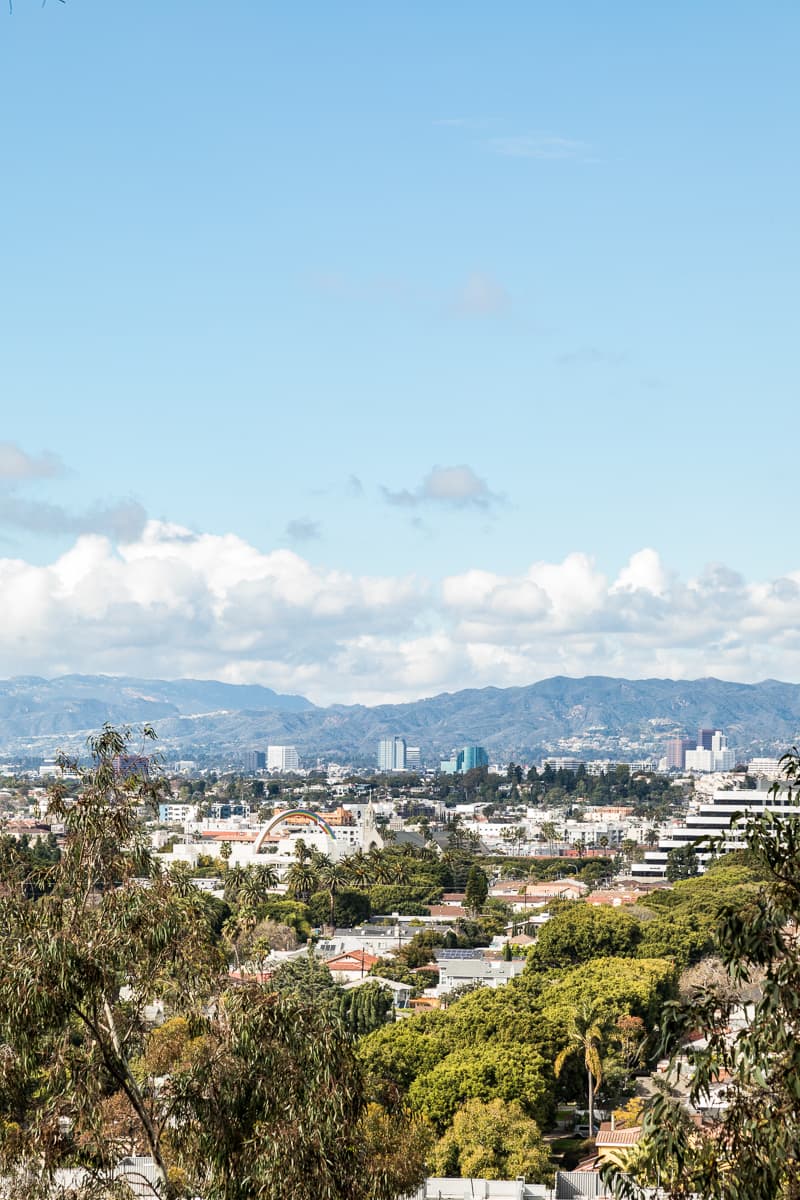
pixel 172 603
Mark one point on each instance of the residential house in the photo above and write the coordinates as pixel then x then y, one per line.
pixel 351 966
pixel 477 972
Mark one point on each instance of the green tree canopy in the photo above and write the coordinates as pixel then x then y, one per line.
pixel 579 932
pixel 493 1141
pixel 343 908
pixel 511 1071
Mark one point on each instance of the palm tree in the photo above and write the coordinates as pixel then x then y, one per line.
pixel 232 931
pixel 400 871
pixel 628 849
pixel 359 869
pixel 651 837
pixel 381 872
pixel 603 841
pixel 332 878
pixel 549 833
pixel 301 850
pixel 455 839
pixel 317 859
pixel 585 1036
pixel 257 882
pixel 300 880
pixel 234 879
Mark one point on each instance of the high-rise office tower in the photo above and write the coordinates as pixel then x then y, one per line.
pixel 282 758
pixel 254 760
pixel 714 757
pixel 474 756
pixel 676 752
pixel 392 754
pixel 465 760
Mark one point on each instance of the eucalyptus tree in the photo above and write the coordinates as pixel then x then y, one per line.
pixel 269 1101
pixel 101 935
pixel 243 1094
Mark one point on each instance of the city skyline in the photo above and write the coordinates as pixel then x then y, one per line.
pixel 395 352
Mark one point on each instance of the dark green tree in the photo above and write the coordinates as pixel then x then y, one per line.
pixel 350 907
pixel 477 889
pixel 682 863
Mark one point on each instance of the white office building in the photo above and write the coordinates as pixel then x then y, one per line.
pixel 560 763
pixel 177 814
pixel 710 819
pixel 392 754
pixel 717 757
pixel 765 768
pixel 282 758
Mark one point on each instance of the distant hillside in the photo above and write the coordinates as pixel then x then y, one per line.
pixel 34 707
pixel 602 716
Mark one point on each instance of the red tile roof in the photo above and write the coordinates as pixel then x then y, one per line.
pixel 353 960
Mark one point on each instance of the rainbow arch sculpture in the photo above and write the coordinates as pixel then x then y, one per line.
pixel 292 812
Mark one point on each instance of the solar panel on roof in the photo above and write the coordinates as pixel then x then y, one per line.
pixel 457 953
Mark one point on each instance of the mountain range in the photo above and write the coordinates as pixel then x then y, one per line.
pixel 212 721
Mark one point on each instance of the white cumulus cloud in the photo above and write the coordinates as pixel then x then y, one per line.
pixel 173 603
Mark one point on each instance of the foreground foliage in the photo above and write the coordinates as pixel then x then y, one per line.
pixel 750 1149
pixel 243 1093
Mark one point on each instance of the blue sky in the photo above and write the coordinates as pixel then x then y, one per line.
pixel 401 292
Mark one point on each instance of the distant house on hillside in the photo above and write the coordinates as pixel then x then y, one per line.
pixel 477 972
pixel 351 966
